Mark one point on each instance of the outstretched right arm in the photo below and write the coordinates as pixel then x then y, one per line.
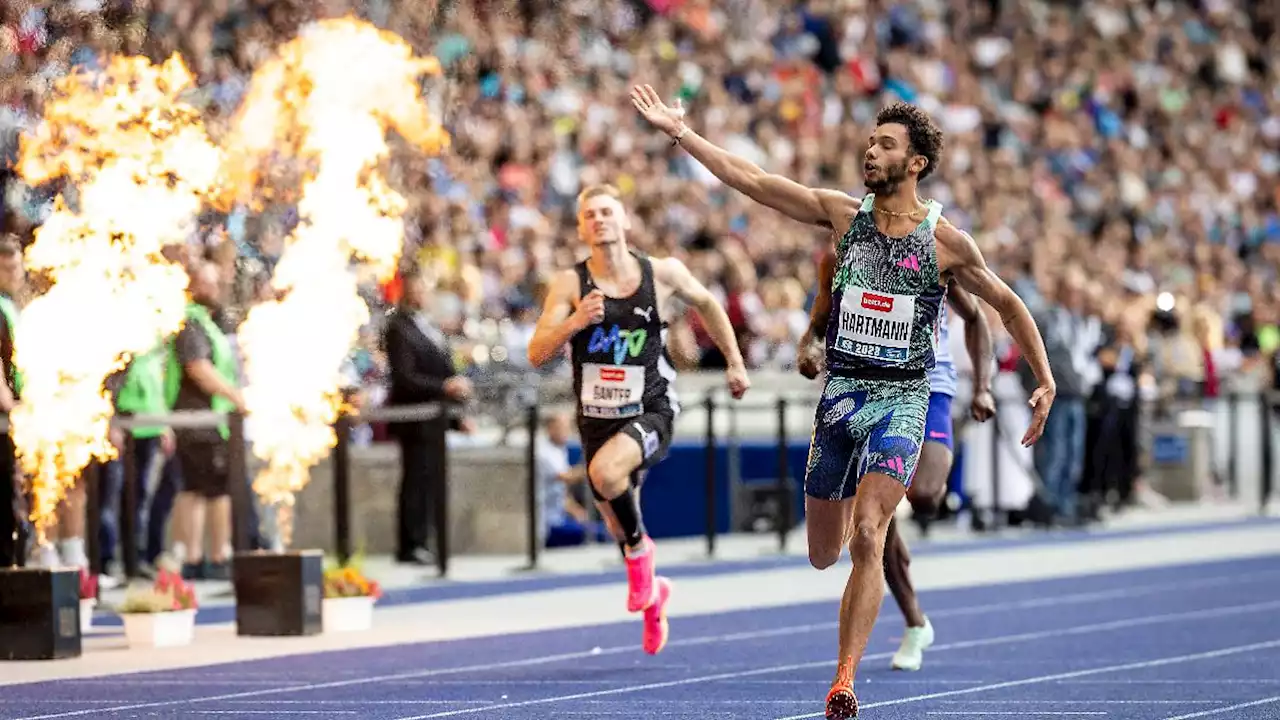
pixel 558 323
pixel 814 206
pixel 824 208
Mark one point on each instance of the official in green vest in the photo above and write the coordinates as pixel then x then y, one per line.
pixel 143 392
pixel 13 376
pixel 201 375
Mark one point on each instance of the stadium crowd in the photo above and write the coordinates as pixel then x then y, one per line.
pixel 1118 161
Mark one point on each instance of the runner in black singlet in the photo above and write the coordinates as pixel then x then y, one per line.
pixel 611 310
pixel 622 375
pixel 897 254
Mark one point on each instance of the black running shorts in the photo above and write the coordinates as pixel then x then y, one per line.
pixel 651 431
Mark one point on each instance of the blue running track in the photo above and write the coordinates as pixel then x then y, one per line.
pixel 1167 644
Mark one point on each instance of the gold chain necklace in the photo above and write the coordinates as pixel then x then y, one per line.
pixel 908 213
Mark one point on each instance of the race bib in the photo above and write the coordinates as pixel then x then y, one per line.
pixel 875 325
pixel 612 391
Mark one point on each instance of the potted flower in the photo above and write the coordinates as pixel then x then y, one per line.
pixel 348 598
pixel 88 599
pixel 163 615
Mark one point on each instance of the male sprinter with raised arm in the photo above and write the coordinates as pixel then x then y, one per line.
pixel 895 257
pixel 623 376
pixel 929 484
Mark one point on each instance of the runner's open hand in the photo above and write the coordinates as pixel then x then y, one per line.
pixel 1041 401
pixel 668 119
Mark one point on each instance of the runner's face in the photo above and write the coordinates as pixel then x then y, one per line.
pixel 888 154
pixel 602 220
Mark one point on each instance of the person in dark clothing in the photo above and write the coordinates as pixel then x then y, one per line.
pixel 11 278
pixel 421 367
pixel 1112 461
pixel 201 375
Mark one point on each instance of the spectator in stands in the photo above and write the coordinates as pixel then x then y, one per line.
pixel 1113 464
pixel 421 366
pixel 201 375
pixel 1141 140
pixel 1071 338
pixel 565 519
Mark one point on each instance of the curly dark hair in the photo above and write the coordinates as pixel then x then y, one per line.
pixel 923 134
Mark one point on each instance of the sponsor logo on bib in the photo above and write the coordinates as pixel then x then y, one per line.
pixel 612 391
pixel 875 325
pixel 880 303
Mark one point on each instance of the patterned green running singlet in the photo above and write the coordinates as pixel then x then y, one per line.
pixel 885 299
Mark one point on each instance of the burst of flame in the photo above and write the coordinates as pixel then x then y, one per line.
pixel 137 160
pixel 329 98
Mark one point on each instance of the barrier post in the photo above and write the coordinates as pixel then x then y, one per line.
pixel 710 405
pixel 441 425
pixel 531 489
pixel 24 532
pixel 1233 433
pixel 92 479
pixel 128 515
pixel 238 475
pixel 1266 399
pixel 783 490
pixel 342 488
pixel 14 546
pixel 994 520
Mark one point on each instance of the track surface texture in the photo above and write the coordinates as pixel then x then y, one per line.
pixel 1172 640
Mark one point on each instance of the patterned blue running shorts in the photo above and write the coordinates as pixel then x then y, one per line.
pixel 863 426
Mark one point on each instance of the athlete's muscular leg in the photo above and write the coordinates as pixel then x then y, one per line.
pixel 897 563
pixel 827 524
pixel 930 482
pixel 610 474
pixel 611 522
pixel 613 464
pixel 926 491
pixel 877 497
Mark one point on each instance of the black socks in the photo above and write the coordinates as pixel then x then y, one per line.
pixel 627 511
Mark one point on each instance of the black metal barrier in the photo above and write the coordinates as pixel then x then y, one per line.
pixel 238 478
pixel 92 479
pixel 996 451
pixel 1268 407
pixel 1233 431
pixel 709 403
pixel 342 489
pixel 128 514
pixel 783 487
pixel 784 521
pixel 782 492
pixel 439 489
pixel 533 506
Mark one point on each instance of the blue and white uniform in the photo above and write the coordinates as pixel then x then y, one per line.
pixel 942 383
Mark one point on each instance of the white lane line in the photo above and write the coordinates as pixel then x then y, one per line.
pixel 1230 708
pixel 1000 640
pixel 1141 665
pixel 1053 601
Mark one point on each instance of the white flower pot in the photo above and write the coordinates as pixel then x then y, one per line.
pixel 162 629
pixel 348 614
pixel 86 614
